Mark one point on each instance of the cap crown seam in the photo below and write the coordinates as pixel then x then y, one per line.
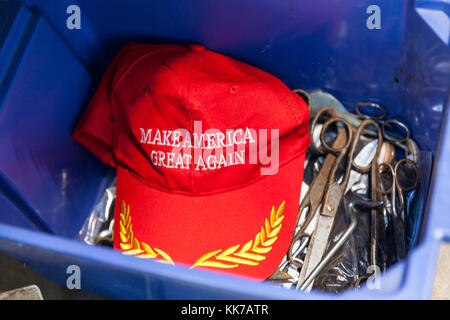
pixel 191 170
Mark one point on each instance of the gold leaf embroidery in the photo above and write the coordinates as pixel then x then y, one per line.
pixel 131 245
pixel 252 252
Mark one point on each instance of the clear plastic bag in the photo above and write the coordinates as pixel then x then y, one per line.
pixel 98 227
pixel 351 265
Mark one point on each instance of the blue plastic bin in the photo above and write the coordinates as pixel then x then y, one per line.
pixel 49 183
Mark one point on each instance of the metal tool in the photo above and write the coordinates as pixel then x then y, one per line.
pixel 379 247
pixel 98 227
pixel 406 143
pixel 280 277
pixel 105 237
pixel 356 202
pixel 393 197
pixel 321 99
pixel 402 141
pixel 314 195
pixel 305 96
pixel 375 233
pixel 377 113
pixel 364 157
pixel 333 196
pixel 324 195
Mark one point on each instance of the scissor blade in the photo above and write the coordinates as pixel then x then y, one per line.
pixel 399 237
pixel 320 241
pixel 320 237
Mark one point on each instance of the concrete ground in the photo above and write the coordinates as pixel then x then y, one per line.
pixel 15 275
pixel 441 289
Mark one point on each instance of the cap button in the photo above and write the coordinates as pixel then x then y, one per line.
pixel 197 47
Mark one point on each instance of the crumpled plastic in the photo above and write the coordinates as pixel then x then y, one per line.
pixel 350 267
pixel 98 227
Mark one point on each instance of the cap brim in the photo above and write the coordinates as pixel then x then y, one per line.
pixel 244 232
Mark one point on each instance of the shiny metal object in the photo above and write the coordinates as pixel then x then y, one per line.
pixel 332 198
pixel 313 197
pixel 98 228
pixel 321 99
pixel 393 197
pixel 376 138
pixel 305 96
pixel 373 106
pixel 343 238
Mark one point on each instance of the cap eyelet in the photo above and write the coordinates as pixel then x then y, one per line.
pixel 233 89
pixel 147 91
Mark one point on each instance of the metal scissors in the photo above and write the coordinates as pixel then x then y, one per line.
pixel 376 112
pixel 400 139
pixel 316 191
pixel 377 236
pixel 351 205
pixel 393 193
pixel 334 194
pixel 403 141
pixel 319 99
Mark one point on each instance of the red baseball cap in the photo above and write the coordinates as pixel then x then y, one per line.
pixel 209 154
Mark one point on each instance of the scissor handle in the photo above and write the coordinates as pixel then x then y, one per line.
pixel 349 132
pixel 323 113
pixel 359 132
pixel 393 172
pixel 382 169
pixel 290 254
pixel 390 136
pixel 412 150
pixel 371 105
pixel 305 96
pixel 416 175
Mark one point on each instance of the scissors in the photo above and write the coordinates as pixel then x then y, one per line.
pixel 377 236
pixel 374 111
pixel 315 193
pixel 334 193
pixel 402 140
pixel 318 99
pixel 352 203
pixel 411 149
pixel 393 193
